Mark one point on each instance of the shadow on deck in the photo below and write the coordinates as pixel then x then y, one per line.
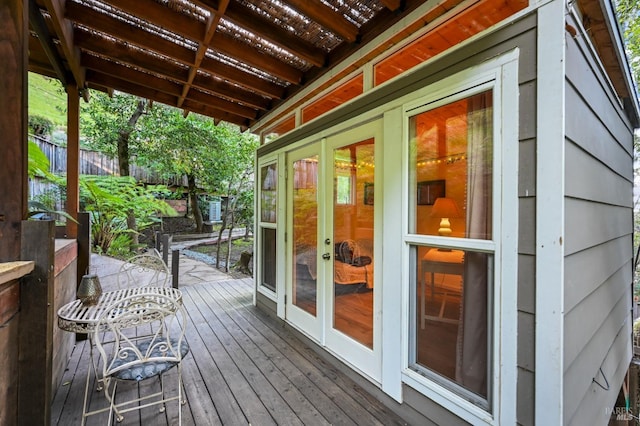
pixel 245 367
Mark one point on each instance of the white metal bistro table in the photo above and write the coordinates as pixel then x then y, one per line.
pixel 77 317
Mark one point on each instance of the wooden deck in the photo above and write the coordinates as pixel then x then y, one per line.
pixel 244 368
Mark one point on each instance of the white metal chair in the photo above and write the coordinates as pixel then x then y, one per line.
pixel 124 356
pixel 143 270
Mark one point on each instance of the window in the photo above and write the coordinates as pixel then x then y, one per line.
pixel 452 251
pixel 268 216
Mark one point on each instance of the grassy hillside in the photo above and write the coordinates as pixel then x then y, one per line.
pixel 48 99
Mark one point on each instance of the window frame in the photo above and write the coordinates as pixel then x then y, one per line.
pixel 500 76
pixel 260 225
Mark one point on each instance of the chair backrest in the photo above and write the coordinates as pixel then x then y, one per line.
pixel 141 335
pixel 143 270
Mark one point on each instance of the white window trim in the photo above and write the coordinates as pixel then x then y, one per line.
pixel 502 74
pixel 257 265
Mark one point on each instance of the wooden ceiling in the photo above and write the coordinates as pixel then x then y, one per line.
pixel 233 60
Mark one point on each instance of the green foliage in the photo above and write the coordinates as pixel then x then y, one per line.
pixel 628 12
pixel 110 199
pixel 40 126
pixel 47 98
pixel 105 118
pixel 38 163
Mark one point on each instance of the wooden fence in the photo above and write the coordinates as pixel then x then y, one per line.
pixel 91 163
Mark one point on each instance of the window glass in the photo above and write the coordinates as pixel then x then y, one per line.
pixel 451 180
pixel 268 251
pixel 451 169
pixel 451 328
pixel 268 185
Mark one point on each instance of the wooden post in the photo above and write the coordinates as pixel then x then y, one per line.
pixel 175 267
pixel 84 245
pixel 35 347
pixel 166 243
pixel 73 158
pixel 14 30
pixel 158 241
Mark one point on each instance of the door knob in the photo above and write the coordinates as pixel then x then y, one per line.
pixel 326 256
pixel 327 241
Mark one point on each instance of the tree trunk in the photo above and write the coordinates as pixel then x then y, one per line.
pixel 123 139
pixel 193 201
pixel 123 163
pixel 222 227
pixel 242 265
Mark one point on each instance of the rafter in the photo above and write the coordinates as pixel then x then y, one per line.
pixel 106 81
pixel 267 30
pixel 116 28
pixel 327 17
pixel 64 29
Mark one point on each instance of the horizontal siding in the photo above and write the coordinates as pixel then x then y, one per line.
pixel 586 270
pixel 595 406
pixel 589 179
pixel 598 238
pixel 578 376
pixel 587 130
pixel 527 284
pixel 526 396
pixel 583 76
pixel 594 311
pixel 589 224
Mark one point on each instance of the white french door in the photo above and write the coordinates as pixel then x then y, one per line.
pixel 331 290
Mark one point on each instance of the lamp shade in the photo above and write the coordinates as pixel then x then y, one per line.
pixel 445 207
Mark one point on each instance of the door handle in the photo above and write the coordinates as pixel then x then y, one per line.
pixel 326 256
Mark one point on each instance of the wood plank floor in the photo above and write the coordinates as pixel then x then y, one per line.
pixel 244 368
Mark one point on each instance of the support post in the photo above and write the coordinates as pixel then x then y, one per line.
pixel 158 241
pixel 73 158
pixel 166 243
pixel 175 267
pixel 35 348
pixel 14 31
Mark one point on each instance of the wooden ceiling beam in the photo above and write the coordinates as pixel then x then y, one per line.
pixel 129 74
pixel 326 17
pixel 267 30
pixel 163 17
pixel 64 30
pixel 107 82
pixel 118 29
pixel 171 88
pixel 207 83
pixel 211 90
pixel 222 104
pixel 242 52
pixel 125 54
pixel 241 77
pixel 152 65
pixel 37 22
pixel 215 113
pixel 212 26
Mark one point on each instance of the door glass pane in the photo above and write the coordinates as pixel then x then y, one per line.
pixel 305 233
pixel 268 185
pixel 268 250
pixel 353 178
pixel 451 169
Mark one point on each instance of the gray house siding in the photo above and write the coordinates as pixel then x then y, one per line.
pixel 522 35
pixel 598 239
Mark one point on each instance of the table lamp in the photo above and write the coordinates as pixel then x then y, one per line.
pixel 445 208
